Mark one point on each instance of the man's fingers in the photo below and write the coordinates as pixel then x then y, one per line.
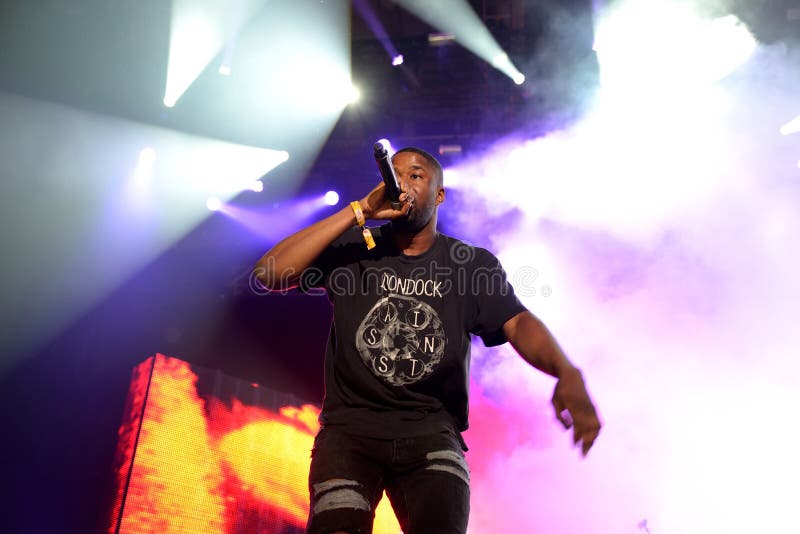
pixel 587 443
pixel 587 439
pixel 586 432
pixel 562 414
pixel 574 408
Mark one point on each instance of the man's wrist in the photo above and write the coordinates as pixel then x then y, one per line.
pixel 567 370
pixel 365 209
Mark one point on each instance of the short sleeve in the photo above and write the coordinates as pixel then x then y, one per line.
pixel 493 299
pixel 339 254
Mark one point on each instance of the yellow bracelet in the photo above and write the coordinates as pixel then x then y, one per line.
pixel 356 205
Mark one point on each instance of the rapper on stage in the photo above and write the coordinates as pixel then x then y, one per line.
pixel 406 301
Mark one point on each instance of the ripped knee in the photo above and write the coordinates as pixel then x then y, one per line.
pixel 449 462
pixel 338 494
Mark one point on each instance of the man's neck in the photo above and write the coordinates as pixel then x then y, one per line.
pixel 414 244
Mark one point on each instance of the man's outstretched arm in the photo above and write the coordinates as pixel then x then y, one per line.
pixel 534 342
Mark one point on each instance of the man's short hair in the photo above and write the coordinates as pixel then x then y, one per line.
pixel 429 158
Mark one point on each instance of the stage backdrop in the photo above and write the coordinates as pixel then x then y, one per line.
pixel 202 452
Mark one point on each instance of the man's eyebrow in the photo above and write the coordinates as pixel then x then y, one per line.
pixel 420 167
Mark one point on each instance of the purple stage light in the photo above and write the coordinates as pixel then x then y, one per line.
pixel 331 198
pixel 371 19
pixel 280 220
pixel 213 204
pixel 397 60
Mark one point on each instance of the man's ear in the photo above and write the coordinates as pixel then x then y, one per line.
pixel 440 196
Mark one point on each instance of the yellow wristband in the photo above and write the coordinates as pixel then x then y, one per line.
pixel 356 205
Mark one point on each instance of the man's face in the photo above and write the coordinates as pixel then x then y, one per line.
pixel 418 178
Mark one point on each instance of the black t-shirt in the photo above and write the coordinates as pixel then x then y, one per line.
pixel 398 355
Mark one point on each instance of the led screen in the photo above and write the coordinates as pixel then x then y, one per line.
pixel 202 452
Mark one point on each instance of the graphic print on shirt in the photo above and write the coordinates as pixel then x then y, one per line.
pixel 401 339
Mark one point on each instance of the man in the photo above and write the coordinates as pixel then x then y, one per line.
pixel 406 299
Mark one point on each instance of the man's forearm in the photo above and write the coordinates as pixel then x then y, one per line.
pixel 281 266
pixel 571 401
pixel 534 342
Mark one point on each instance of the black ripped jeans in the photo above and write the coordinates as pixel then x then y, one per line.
pixel 426 479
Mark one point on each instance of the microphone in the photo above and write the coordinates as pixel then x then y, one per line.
pixel 388 175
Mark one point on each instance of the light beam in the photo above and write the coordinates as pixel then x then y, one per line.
pixel 793 126
pixel 457 17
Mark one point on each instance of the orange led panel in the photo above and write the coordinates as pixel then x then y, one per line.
pixel 201 452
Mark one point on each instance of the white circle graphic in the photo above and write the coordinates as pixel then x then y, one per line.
pixel 401 340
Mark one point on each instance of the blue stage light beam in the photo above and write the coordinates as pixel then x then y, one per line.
pixel 793 126
pixel 457 17
pixel 198 31
pixel 280 220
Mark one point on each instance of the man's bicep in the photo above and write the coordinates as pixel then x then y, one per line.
pixel 511 328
